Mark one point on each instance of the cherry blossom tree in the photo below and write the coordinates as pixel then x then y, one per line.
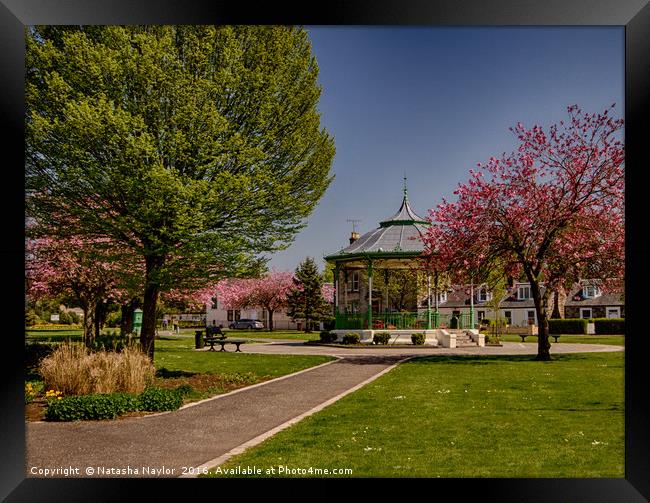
pixel 91 271
pixel 268 291
pixel 552 211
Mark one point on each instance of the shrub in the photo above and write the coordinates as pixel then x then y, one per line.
pixel 112 405
pixel 567 326
pixel 114 318
pixel 184 390
pixel 31 391
pixel 65 318
pixel 417 339
pixel 351 338
pixel 381 338
pixel 74 370
pixel 94 406
pixel 326 336
pixel 31 318
pixel 157 399
pixel 35 352
pixel 189 324
pixel 609 326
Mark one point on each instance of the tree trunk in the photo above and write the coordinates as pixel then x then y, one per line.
pixel 270 311
pixel 541 306
pixel 559 298
pixel 98 319
pixel 88 324
pixel 153 264
pixel 127 316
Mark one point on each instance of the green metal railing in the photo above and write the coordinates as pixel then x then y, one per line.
pixel 401 320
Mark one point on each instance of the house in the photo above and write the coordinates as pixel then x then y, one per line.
pixel 221 315
pixel 583 300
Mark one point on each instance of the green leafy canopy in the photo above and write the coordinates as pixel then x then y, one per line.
pixel 197 147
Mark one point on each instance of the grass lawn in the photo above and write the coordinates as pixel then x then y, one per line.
pixel 616 340
pixel 176 353
pixel 467 417
pixel 61 335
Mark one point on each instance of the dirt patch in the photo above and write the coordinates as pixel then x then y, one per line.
pixel 208 383
pixel 35 411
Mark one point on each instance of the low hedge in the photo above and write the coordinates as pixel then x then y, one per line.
pixel 112 405
pixel 567 326
pixel 381 338
pixel 609 326
pixel 351 338
pixel 326 336
pixel 417 339
pixel 156 400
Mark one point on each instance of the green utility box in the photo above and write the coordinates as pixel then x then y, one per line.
pixel 137 321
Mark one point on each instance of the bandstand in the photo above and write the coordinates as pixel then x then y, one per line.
pixel 363 272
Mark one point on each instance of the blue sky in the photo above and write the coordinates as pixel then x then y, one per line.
pixel 431 102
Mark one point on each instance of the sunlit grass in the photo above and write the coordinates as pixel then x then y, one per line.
pixel 447 416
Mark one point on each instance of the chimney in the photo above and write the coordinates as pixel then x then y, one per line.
pixel 353 237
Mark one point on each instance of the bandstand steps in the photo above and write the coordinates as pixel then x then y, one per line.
pixel 464 340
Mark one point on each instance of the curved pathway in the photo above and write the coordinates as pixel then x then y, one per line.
pixel 206 433
pixel 509 348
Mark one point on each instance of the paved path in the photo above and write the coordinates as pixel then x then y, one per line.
pixel 508 348
pixel 193 435
pixel 203 432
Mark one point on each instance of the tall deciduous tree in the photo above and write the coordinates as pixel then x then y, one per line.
pixel 552 211
pixel 305 300
pixel 197 147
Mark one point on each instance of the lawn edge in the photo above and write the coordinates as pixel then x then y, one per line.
pixel 213 463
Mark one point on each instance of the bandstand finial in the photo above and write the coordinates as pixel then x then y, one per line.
pixel 405 190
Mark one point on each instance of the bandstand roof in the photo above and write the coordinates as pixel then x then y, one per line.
pixel 399 235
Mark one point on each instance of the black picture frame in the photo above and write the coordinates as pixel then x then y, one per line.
pixel 634 15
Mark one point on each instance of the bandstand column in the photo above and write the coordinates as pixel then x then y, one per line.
pixel 369 294
pixel 428 301
pixel 471 302
pixel 336 296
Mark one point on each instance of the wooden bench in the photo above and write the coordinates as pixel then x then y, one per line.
pixel 523 336
pixel 223 341
pixel 210 339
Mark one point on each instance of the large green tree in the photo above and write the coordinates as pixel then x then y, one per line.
pixel 197 147
pixel 305 299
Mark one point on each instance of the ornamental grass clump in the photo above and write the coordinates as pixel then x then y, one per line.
pixel 74 370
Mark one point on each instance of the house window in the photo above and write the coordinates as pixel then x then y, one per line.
pixel 215 304
pixel 508 316
pixel 585 313
pixel 480 315
pixel 531 317
pixel 234 314
pixel 352 307
pixel 484 295
pixel 442 297
pixel 590 291
pixel 613 312
pixel 524 292
pixel 355 281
